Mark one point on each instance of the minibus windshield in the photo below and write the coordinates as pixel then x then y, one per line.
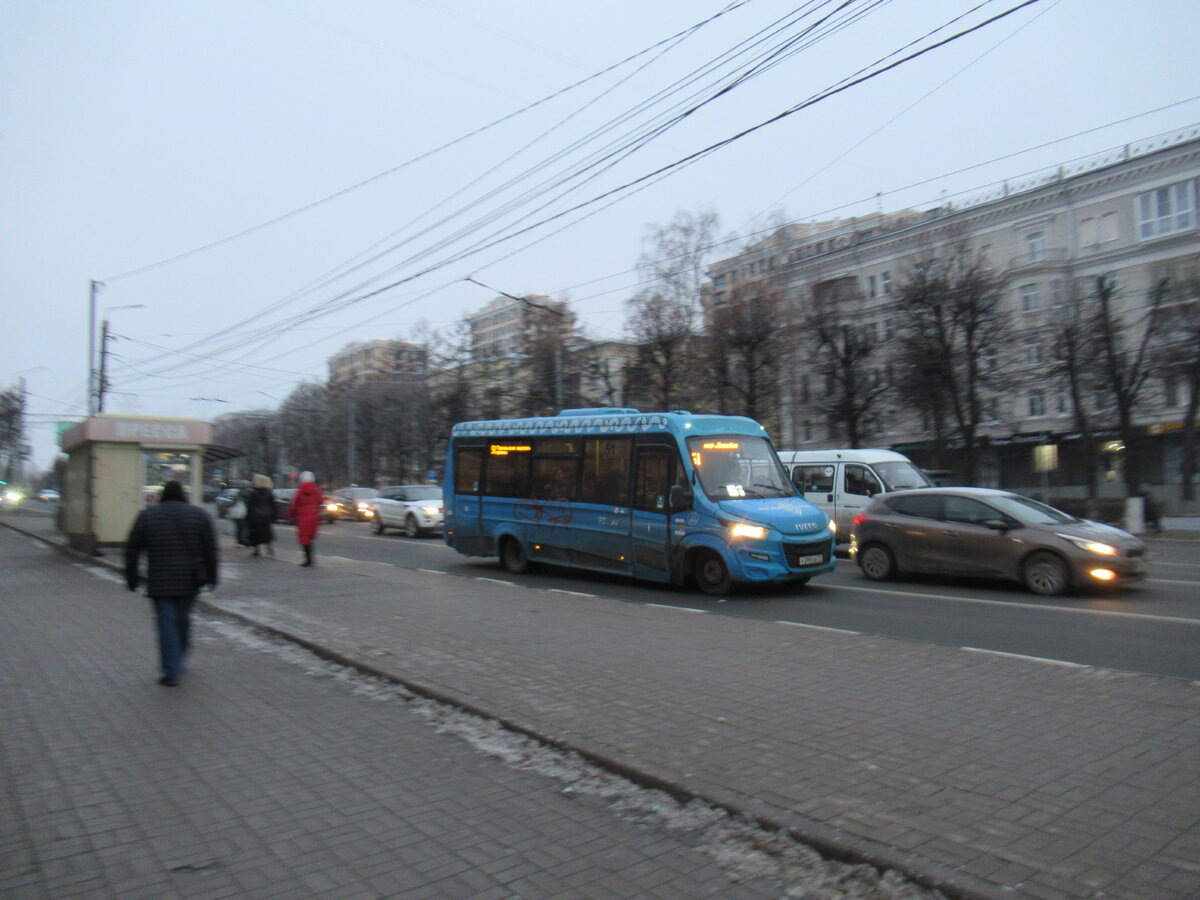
pixel 900 476
pixel 737 466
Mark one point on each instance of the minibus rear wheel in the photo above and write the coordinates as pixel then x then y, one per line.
pixel 711 573
pixel 513 558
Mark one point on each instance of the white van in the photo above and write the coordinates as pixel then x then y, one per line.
pixel 842 482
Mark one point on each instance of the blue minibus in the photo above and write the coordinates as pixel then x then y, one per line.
pixel 670 497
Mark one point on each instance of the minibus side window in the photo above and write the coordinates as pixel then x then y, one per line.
pixel 654 477
pixel 468 466
pixel 555 474
pixel 861 480
pixel 813 478
pixel 508 469
pixel 606 463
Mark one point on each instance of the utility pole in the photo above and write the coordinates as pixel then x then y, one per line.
pixel 93 392
pixel 103 377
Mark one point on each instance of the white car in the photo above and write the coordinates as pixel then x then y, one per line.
pixel 416 508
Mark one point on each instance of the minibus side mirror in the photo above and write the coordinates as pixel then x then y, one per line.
pixel 681 496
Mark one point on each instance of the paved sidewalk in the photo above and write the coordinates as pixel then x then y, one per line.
pixel 251 780
pixel 989 776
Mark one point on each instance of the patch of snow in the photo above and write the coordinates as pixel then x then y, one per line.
pixel 742 848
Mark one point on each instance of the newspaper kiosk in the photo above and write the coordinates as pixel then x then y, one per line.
pixel 118 464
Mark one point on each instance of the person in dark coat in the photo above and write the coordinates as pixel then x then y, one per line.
pixel 305 511
pixel 260 515
pixel 178 540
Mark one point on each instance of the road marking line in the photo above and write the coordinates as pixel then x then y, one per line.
pixel 816 627
pixel 495 581
pixel 433 571
pixel 687 609
pixel 1040 659
pixel 1023 605
pixel 572 593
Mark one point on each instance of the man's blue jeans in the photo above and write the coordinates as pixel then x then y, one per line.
pixel 174 618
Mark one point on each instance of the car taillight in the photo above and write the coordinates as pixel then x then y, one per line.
pixel 860 518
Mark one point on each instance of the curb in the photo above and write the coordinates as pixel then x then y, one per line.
pixel 830 841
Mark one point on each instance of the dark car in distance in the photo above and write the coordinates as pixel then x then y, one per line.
pixel 351 503
pixel 987 533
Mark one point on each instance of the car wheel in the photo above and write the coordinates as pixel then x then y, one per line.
pixel 378 527
pixel 711 573
pixel 877 562
pixel 513 558
pixel 1046 574
pixel 411 528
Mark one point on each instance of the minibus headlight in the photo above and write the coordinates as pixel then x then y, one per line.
pixel 833 526
pixel 430 510
pixel 746 530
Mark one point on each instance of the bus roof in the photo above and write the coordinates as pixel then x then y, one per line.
pixel 610 420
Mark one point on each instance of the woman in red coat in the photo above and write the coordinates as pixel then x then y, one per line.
pixel 305 511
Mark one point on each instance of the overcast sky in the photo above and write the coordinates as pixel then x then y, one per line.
pixel 351 162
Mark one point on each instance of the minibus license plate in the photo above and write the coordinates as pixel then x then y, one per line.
pixel 808 560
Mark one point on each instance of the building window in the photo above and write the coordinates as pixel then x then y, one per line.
pixel 1033 353
pixel 1031 298
pixel 1062 402
pixel 1037 403
pixel 1166 210
pixel 885 283
pixel 1171 390
pixel 871 287
pixel 1035 245
pixel 1056 293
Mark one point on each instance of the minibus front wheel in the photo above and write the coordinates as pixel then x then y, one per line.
pixel 512 556
pixel 711 573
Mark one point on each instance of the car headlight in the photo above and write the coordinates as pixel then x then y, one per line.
pixel 746 530
pixel 430 510
pixel 1091 546
pixel 332 507
pixel 12 496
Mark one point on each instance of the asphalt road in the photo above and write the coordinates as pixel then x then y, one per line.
pixel 1152 627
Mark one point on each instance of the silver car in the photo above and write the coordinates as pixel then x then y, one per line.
pixel 415 508
pixel 991 534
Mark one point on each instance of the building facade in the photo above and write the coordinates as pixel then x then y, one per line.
pixel 1130 216
pixel 373 360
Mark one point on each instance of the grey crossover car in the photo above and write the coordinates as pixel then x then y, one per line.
pixel 991 534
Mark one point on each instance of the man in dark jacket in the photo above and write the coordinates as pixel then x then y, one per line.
pixel 182 552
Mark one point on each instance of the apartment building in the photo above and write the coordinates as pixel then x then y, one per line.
pixel 1131 215
pixel 374 360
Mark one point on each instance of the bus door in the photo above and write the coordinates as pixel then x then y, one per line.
pixel 464 526
pixel 602 516
pixel 654 473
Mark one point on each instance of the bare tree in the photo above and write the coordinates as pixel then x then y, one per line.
pixel 1180 359
pixel 1125 366
pixel 312 440
pixel 950 327
pixel 662 317
pixel 743 344
pixel 12 430
pixel 844 347
pixel 1075 360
